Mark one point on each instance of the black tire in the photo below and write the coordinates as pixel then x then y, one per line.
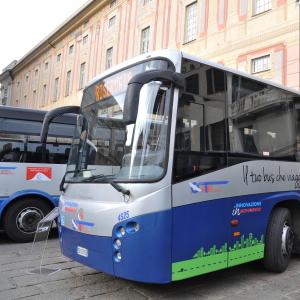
pixel 279 240
pixel 28 210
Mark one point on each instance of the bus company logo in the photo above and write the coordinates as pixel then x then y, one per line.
pixel 70 207
pixel 207 186
pixel 79 224
pixel 242 208
pixel 7 170
pixel 39 174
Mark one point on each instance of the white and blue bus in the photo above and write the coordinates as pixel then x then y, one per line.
pixel 30 173
pixel 198 170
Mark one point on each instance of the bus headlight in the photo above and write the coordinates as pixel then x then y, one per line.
pixel 132 227
pixel 118 256
pixel 117 243
pixel 121 231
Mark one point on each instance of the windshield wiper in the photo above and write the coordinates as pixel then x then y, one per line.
pixel 95 178
pixel 61 186
pixel 119 188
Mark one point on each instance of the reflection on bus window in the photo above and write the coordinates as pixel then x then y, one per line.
pixel 260 120
pixel 27 149
pixel 200 141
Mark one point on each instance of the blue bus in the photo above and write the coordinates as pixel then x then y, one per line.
pixel 181 167
pixel 30 173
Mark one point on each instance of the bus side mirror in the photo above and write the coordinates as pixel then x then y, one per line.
pixel 135 85
pixel 52 114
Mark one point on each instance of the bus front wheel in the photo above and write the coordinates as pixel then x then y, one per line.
pixel 279 240
pixel 22 217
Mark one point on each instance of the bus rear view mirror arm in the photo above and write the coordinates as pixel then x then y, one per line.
pixel 135 85
pixel 52 114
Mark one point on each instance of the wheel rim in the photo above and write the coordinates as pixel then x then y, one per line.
pixel 287 240
pixel 28 219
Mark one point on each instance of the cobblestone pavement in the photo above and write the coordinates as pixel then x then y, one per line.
pixel 74 281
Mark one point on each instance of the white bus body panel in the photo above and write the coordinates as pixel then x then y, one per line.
pixel 87 202
pixel 18 177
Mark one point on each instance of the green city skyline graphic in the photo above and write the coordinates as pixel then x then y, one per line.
pixel 243 250
pixel 242 243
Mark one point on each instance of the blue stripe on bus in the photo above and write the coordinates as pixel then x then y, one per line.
pixel 7 168
pixel 212 182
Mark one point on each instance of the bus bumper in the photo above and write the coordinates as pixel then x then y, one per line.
pixel 90 250
pixel 145 253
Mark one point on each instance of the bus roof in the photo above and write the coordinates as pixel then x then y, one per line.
pixel 17 113
pixel 175 56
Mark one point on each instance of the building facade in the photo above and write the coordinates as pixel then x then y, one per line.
pixel 6 80
pixel 260 37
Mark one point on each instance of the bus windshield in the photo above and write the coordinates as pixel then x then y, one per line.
pixel 106 149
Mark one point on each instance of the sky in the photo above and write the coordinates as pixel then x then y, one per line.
pixel 24 23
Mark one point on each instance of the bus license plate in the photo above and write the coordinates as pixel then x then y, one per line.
pixel 82 251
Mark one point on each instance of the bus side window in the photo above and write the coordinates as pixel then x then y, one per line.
pixel 56 152
pixel 11 148
pixel 200 142
pixel 190 127
pixel 261 122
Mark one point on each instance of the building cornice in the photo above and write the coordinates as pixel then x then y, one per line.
pixel 7 74
pixel 67 27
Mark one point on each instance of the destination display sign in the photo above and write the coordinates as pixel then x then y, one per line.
pixel 112 86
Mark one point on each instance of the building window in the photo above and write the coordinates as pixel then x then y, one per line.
pixel 109 55
pixel 82 76
pixel 71 49
pixel 34 97
pixel 145 2
pixel 260 64
pixel 55 92
pixel 111 21
pixel 58 57
pixel 260 6
pixel 44 94
pixel 113 2
pixel 85 39
pixel 145 39
pixel 191 22
pixel 27 77
pixel 68 84
pixel 25 100
pixel 36 72
pixel 46 66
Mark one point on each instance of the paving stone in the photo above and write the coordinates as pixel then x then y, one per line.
pixel 74 281
pixel 34 279
pixel 6 284
pixel 19 293
pixel 71 283
pixel 124 294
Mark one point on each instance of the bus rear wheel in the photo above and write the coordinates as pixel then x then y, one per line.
pixel 279 240
pixel 22 217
